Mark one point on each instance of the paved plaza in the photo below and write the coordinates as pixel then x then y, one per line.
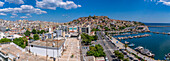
pixel 72 52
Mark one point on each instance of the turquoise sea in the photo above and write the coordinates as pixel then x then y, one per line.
pixel 159 44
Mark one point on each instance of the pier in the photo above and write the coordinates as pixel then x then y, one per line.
pixel 131 37
pixel 161 33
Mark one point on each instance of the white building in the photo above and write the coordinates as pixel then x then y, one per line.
pixel 49 47
pixel 86 30
pixel 73 29
pixel 2 35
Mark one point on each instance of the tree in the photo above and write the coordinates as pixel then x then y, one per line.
pixel 126 45
pixel 106 29
pixel 22 42
pixel 95 29
pixel 36 37
pixel 43 31
pixel 96 51
pixel 38 31
pixel 24 39
pixel 34 31
pixel 27 33
pixel 30 38
pixel 120 56
pixel 5 40
pixel 126 59
pixel 121 28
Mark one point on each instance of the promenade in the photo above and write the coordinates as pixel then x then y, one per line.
pixel 121 46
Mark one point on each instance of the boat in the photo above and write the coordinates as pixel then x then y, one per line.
pixel 126 42
pixel 167 57
pixel 144 51
pixel 131 45
pixel 139 48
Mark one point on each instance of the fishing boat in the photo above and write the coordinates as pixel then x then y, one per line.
pixel 131 45
pixel 167 57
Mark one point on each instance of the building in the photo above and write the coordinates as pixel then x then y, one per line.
pixel 12 52
pixel 58 32
pixel 49 47
pixel 73 29
pixel 2 35
pixel 2 28
pixel 86 30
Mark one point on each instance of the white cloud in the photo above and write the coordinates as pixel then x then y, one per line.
pixel 12 16
pixel 23 17
pixel 53 4
pixel 3 14
pixel 15 1
pixel 165 2
pixel 27 9
pixel 1 3
pixel 29 15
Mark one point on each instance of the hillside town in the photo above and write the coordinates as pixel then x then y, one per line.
pixel 83 39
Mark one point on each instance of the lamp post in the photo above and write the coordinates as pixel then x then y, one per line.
pixel 53 51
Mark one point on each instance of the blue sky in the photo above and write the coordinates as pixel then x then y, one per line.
pixel 152 11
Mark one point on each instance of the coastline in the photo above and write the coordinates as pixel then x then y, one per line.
pixel 158 26
pixel 121 45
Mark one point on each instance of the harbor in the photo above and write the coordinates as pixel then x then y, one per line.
pixel 121 46
pixel 158 43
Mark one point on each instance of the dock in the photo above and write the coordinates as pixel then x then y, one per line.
pixel 161 33
pixel 131 37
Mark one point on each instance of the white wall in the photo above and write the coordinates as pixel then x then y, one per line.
pixel 42 51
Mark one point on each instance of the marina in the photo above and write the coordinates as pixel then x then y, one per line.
pixel 158 43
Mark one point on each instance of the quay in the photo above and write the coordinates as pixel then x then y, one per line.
pixel 121 46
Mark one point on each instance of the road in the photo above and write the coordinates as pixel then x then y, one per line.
pixel 107 46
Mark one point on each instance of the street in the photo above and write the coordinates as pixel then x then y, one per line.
pixel 107 46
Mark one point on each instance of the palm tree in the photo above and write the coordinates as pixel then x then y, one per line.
pixel 24 39
pixel 126 45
